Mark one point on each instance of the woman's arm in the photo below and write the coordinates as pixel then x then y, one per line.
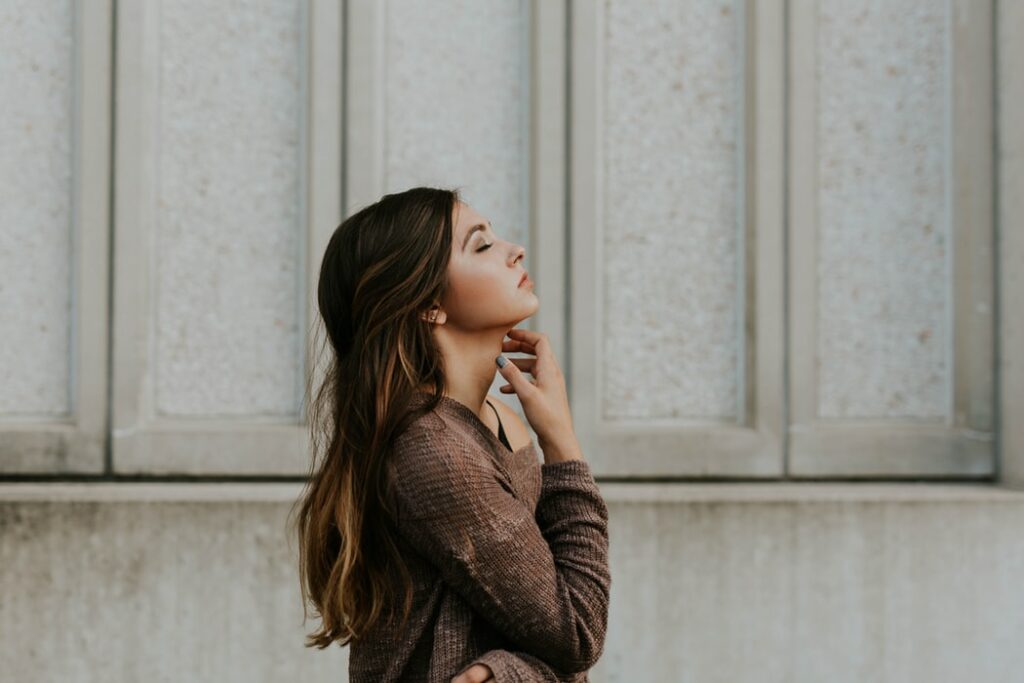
pixel 543 580
pixel 512 667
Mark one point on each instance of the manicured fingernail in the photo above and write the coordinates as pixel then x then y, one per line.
pixel 501 360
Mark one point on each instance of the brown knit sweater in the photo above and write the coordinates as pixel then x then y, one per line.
pixel 509 559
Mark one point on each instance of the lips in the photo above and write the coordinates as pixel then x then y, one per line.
pixel 523 279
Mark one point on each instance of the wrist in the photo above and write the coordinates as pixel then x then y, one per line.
pixel 560 448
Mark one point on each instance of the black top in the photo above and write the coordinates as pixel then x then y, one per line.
pixel 501 429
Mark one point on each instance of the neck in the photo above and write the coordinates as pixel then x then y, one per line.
pixel 469 365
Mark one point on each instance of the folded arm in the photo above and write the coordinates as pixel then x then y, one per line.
pixel 542 580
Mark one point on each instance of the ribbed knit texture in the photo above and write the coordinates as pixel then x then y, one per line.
pixel 509 558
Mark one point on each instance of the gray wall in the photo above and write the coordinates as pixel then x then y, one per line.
pixel 810 582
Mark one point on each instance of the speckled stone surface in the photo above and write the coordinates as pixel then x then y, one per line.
pixel 671 179
pixel 456 101
pixel 151 591
pixel 198 582
pixel 37 90
pixel 228 310
pixel 883 216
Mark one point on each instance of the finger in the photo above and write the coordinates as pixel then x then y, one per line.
pixel 507 388
pixel 516 345
pixel 478 673
pixel 528 336
pixel 524 364
pixel 520 385
pixel 514 376
pixel 541 347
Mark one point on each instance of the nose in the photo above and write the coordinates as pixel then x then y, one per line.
pixel 520 253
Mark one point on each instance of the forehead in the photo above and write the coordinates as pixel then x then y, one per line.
pixel 466 218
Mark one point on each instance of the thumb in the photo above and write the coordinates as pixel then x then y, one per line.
pixel 511 372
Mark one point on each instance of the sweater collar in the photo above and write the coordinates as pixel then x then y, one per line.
pixel 458 409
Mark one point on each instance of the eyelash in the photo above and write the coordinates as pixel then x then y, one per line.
pixel 484 248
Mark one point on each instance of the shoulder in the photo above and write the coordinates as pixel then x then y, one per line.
pixel 427 432
pixel 515 429
pixel 436 463
pixel 432 444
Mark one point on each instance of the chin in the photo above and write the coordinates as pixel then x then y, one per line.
pixel 530 310
pixel 513 313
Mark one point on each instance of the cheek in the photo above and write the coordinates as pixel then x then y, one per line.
pixel 474 291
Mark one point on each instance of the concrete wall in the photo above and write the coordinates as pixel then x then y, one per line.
pixel 214 239
pixel 1011 234
pixel 786 583
pixel 151 583
pixel 224 185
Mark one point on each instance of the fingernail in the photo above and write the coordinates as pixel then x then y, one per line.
pixel 501 361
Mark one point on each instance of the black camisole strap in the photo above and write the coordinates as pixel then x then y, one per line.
pixel 501 429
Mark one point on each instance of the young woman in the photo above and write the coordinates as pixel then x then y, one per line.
pixel 426 496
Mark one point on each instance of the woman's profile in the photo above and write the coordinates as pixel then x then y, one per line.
pixel 432 540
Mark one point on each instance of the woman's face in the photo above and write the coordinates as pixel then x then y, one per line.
pixel 483 277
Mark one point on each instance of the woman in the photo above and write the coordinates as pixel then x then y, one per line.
pixel 417 499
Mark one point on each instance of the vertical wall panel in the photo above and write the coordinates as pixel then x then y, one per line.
pixel 885 334
pixel 228 326
pixel 36 202
pixel 456 104
pixel 55 85
pixel 676 311
pixel 1010 193
pixel 891 269
pixel 228 187
pixel 673 210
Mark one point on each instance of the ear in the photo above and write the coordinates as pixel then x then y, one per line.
pixel 435 315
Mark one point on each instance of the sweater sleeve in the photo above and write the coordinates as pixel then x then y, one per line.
pixel 543 580
pixel 519 667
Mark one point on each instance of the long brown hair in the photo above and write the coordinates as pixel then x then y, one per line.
pixel 382 268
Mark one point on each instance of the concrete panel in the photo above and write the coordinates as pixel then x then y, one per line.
pixel 228 319
pixel 36 251
pixel 671 183
pixel 883 120
pixel 816 590
pixel 1010 194
pixel 812 582
pixel 150 590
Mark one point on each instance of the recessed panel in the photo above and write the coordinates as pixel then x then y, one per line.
pixel 228 311
pixel 36 208
pixel 883 201
pixel 671 340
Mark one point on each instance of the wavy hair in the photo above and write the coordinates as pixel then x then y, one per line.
pixel 382 268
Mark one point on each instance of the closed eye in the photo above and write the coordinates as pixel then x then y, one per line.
pixel 484 248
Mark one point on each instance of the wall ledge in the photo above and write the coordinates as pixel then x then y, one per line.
pixel 809 492
pixel 688 492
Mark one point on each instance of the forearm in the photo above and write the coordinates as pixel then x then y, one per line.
pixel 520 667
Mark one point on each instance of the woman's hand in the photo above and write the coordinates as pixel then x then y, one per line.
pixel 544 398
pixel 478 673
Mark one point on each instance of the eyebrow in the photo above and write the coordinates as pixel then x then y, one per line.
pixel 478 226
